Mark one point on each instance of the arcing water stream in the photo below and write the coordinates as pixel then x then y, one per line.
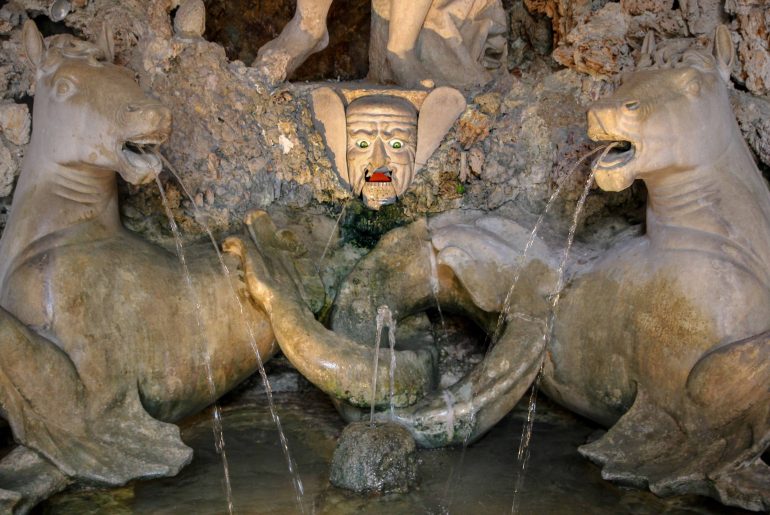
pixel 522 457
pixel 219 439
pixel 523 451
pixel 384 318
pixel 296 479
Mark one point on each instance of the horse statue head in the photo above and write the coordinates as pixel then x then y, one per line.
pixel 674 116
pixel 90 113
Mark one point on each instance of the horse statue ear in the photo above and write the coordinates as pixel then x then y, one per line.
pixel 33 43
pixel 106 42
pixel 724 52
pixel 646 58
pixel 438 113
pixel 329 120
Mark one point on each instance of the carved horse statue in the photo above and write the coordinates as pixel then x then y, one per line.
pixel 102 342
pixel 664 338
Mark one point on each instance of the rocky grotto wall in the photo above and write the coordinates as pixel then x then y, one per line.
pixel 238 145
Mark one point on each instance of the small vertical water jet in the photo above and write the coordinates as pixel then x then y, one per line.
pixel 392 342
pixel 377 457
pixel 384 319
pixel 435 287
pixel 449 400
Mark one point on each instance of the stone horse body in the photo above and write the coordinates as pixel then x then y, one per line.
pixel 102 339
pixel 665 337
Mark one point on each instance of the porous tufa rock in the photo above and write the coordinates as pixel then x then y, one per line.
pixel 15 122
pixel 375 458
pixel 190 19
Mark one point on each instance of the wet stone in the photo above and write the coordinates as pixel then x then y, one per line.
pixel 380 458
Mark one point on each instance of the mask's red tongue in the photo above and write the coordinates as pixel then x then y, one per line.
pixel 379 177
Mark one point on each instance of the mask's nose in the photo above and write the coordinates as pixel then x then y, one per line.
pixel 378 170
pixel 379 156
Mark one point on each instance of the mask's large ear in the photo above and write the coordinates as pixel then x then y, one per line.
pixel 724 51
pixel 106 42
pixel 438 113
pixel 329 120
pixel 33 43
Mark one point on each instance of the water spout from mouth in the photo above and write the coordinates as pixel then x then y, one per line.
pixel 200 219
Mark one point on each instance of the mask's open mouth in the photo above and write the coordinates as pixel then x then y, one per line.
pixel 379 175
pixel 141 153
pixel 619 155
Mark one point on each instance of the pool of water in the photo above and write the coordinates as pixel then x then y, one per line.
pixel 479 480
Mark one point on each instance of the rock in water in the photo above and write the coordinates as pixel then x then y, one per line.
pixel 379 458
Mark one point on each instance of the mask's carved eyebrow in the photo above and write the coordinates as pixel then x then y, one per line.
pixel 398 132
pixel 362 132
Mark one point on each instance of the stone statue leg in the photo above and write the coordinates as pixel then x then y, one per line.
pixel 406 20
pixel 305 34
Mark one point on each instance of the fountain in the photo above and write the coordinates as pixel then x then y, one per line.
pixel 657 338
pixel 663 338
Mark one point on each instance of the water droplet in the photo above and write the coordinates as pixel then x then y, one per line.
pixel 60 9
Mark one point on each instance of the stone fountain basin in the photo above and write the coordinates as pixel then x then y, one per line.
pixel 479 480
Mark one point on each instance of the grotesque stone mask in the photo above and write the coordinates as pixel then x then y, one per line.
pixel 380 142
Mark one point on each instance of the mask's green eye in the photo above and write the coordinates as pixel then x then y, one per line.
pixel 396 143
pixel 362 143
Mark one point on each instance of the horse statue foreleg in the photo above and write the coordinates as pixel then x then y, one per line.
pixel 68 430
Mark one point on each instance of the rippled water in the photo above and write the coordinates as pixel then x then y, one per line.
pixel 559 480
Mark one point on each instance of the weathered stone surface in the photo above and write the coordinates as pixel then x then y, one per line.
pixel 599 47
pixel 528 34
pixel 753 114
pixel 190 19
pixel 379 458
pixel 564 14
pixel 753 20
pixel 9 168
pixel 15 122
